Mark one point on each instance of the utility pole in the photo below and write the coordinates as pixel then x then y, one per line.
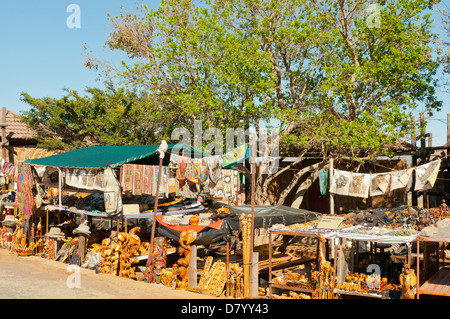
pixel 448 129
pixel 3 126
pixel 331 178
pixel 414 160
pixel 447 174
pixel 423 154
pixel 4 142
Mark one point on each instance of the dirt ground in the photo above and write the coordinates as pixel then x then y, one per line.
pixel 34 277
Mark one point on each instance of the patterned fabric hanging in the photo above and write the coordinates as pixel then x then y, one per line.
pixel 181 170
pixel 323 181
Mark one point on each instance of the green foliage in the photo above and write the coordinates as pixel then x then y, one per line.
pixel 337 83
pixel 102 117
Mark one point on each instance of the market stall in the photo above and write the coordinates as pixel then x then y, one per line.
pixel 81 193
pixel 315 279
pixel 73 187
pixel 375 275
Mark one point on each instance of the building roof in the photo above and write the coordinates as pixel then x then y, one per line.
pixel 15 128
pixel 401 145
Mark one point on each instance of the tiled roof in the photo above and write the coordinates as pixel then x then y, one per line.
pixel 15 128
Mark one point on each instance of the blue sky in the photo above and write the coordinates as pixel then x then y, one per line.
pixel 41 55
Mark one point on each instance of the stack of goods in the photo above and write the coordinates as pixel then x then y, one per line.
pixel 9 223
pixel 185 219
pixel 246 223
pixel 297 227
pixel 119 255
pixel 293 295
pixel 414 217
pixel 324 276
pixel 70 199
pixel 294 279
pixel 214 279
pixel 380 231
pixel 8 198
pixel 307 227
pixel 363 283
pixel 19 239
pixel 181 268
pixel 5 237
pixel 235 282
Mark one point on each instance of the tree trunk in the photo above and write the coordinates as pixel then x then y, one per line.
pixel 263 183
pixel 305 186
pixel 296 178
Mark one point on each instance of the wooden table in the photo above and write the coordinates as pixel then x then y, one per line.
pixel 291 262
pixel 439 283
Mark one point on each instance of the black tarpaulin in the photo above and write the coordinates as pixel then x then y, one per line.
pixel 265 217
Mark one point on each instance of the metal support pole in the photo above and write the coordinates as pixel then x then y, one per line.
pixel 331 178
pixel 252 223
pixel 60 188
pixel 162 149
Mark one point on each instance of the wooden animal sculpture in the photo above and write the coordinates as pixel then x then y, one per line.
pixel 325 278
pixel 408 282
pixel 187 237
pixel 133 238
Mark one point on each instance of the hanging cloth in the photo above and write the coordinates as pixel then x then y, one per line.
pixel 426 175
pixel 359 185
pixel 340 182
pixel 214 169
pixel 379 184
pixel 127 178
pixel 112 195
pixel 400 179
pixel 137 179
pixel 323 182
pixel 147 179
pixel 181 170
pixel 238 155
pixel 193 170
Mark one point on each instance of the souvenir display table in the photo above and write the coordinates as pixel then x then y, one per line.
pixel 384 235
pixel 373 286
pixel 294 281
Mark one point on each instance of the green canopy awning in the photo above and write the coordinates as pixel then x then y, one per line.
pixel 114 156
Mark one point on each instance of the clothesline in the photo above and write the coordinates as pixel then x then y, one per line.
pixel 393 169
pixel 375 184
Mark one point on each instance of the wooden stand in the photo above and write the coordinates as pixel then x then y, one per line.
pixel 289 264
pixel 82 247
pixel 192 271
pixel 439 283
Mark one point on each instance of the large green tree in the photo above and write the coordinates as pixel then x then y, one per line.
pixel 443 45
pixel 341 77
pixel 101 117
